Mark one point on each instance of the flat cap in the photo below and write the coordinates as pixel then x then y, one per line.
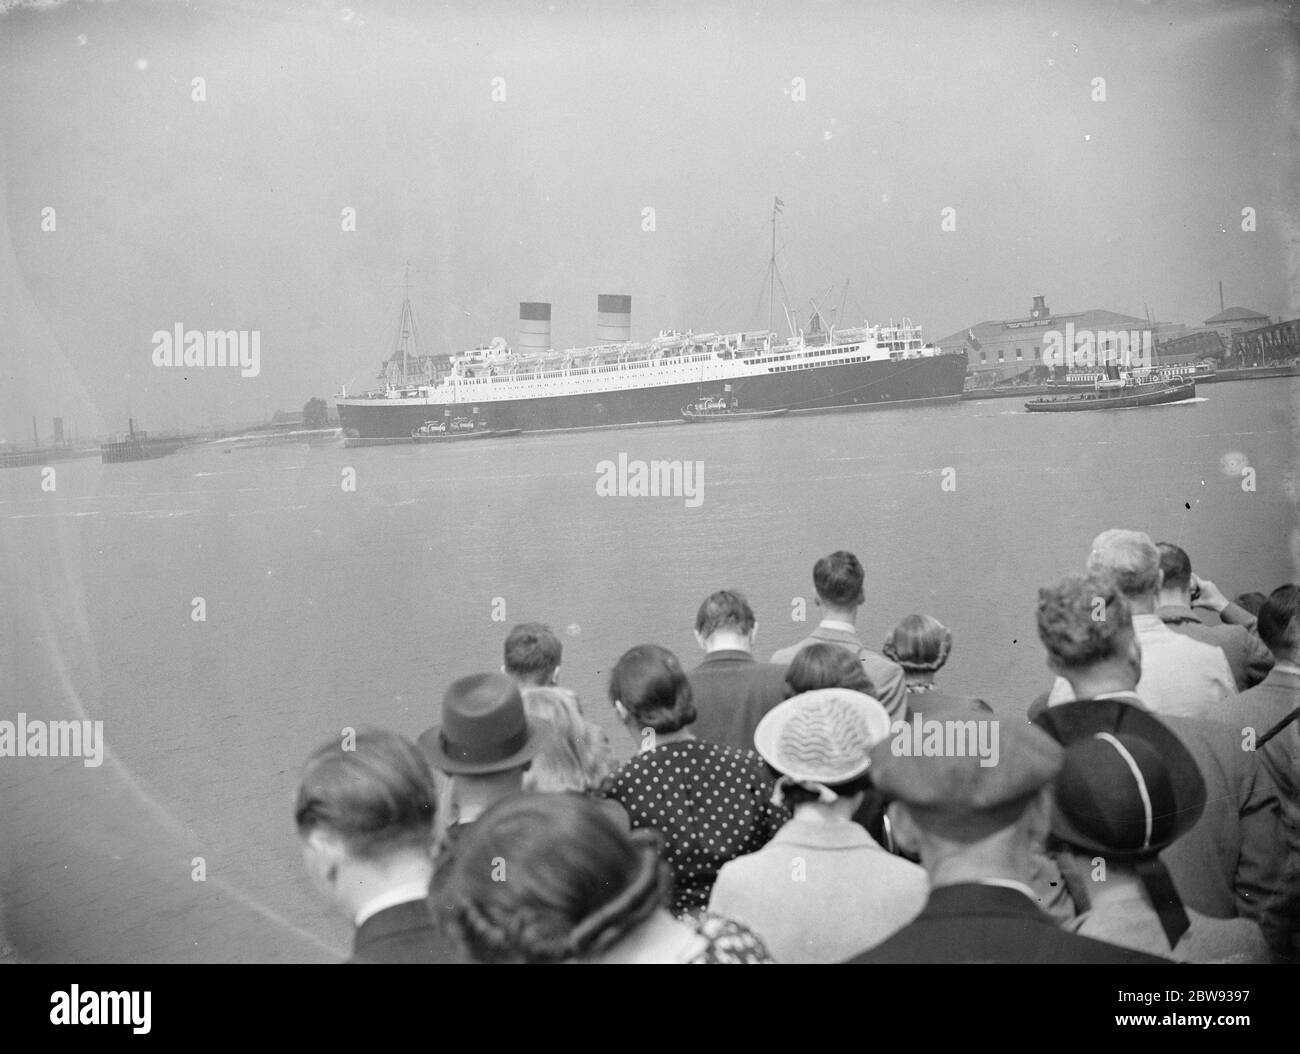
pixel 964 779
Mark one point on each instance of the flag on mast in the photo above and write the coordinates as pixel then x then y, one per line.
pixel 777 204
pixel 970 339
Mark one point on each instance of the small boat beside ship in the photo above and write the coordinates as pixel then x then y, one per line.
pixel 1119 391
pixel 717 408
pixel 452 429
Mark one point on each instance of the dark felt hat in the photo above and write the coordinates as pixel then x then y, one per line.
pixel 484 728
pixel 1129 787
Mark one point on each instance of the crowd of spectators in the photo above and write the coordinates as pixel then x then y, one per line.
pixel 836 804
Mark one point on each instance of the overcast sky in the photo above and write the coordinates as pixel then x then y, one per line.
pixel 225 214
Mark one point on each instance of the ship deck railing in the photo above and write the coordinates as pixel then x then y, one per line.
pixel 798 355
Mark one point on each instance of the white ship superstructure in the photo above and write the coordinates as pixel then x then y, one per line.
pixel 619 381
pixel 498 373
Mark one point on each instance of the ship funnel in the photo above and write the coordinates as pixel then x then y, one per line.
pixel 613 318
pixel 534 327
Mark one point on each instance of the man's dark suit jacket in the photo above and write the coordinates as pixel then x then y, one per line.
pixel 404 933
pixel 1232 863
pixel 974 923
pixel 1247 656
pixel 732 692
pixel 1261 708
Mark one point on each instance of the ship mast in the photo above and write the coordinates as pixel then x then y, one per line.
pixel 771 267
pixel 774 276
pixel 406 331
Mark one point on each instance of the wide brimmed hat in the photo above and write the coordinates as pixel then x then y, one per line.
pixel 1129 787
pixel 822 737
pixel 484 728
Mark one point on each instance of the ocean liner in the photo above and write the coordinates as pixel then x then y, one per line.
pixel 535 387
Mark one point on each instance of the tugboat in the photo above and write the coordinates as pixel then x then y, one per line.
pixel 716 408
pixel 136 445
pixel 1117 391
pixel 453 428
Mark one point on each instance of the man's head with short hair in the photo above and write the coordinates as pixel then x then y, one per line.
pixel 532 655
pixel 1279 622
pixel 1131 558
pixel 375 795
pixel 725 613
pixel 838 580
pixel 1175 568
pixel 365 813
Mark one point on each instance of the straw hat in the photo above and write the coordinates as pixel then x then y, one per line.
pixel 822 737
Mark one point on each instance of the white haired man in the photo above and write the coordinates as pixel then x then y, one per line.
pixel 1181 677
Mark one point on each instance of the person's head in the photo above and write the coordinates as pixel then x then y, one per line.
pixel 919 644
pixel 546 878
pixel 838 581
pixel 1251 602
pixel 1128 789
pixel 1175 573
pixel 725 620
pixel 532 655
pixel 649 689
pixel 1132 559
pixel 826 666
pixel 963 817
pixel 1279 623
pixel 1086 625
pixel 819 744
pixel 577 755
pixel 485 741
pixel 364 806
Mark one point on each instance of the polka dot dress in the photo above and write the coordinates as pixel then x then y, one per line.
pixel 711 804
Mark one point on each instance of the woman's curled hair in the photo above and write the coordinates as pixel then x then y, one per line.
pixel 577 755
pixel 549 877
pixel 652 686
pixel 919 643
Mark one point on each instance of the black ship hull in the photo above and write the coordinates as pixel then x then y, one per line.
pixel 137 450
pixel 860 385
pixel 1154 395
